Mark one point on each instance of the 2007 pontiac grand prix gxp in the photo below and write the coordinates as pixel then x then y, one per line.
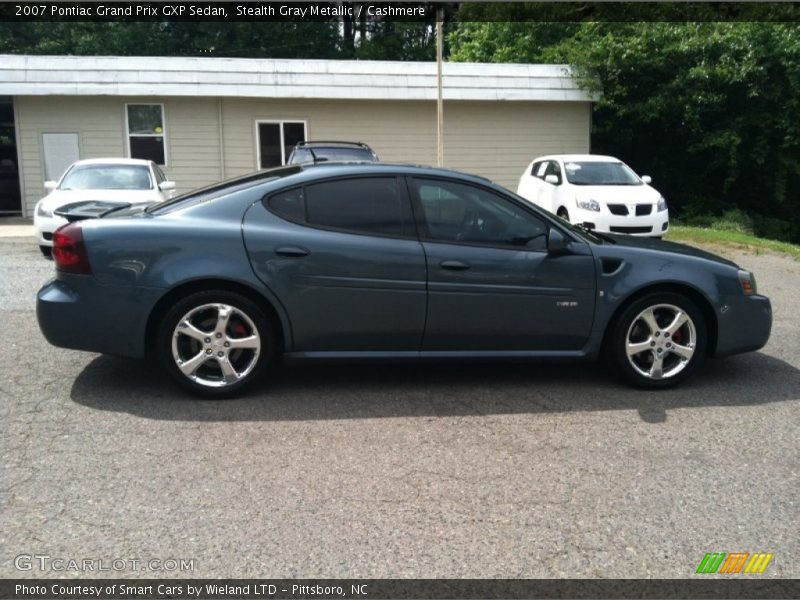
pixel 384 261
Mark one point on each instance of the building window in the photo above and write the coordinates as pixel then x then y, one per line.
pixel 276 139
pixel 146 132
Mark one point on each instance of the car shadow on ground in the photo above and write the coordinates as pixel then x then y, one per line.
pixel 359 391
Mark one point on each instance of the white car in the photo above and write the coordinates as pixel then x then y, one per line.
pixel 601 193
pixel 123 180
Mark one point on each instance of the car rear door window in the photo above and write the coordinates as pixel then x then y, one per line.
pixel 370 205
pixel 290 205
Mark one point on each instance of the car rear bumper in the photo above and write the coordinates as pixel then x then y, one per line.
pixel 77 312
pixel 745 323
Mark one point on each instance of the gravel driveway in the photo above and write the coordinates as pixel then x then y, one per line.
pixel 397 471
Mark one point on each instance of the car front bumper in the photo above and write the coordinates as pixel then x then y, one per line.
pixel 655 224
pixel 45 226
pixel 744 324
pixel 77 312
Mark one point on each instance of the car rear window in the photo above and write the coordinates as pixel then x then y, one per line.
pixel 311 155
pixel 369 205
pixel 218 190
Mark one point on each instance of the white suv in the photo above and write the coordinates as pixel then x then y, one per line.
pixel 600 192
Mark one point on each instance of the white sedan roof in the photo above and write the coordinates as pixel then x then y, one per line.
pixel 579 158
pixel 113 161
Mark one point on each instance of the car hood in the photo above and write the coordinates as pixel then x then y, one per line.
pixel 58 198
pixel 642 243
pixel 622 194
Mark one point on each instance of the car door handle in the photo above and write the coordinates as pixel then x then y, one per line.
pixel 293 251
pixel 454 265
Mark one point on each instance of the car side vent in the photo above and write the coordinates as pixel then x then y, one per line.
pixel 611 265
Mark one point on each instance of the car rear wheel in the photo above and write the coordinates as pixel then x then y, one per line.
pixel 215 344
pixel 658 341
pixel 564 214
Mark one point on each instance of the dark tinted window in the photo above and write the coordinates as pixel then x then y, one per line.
pixel 289 205
pixel 146 132
pixel 293 133
pixel 457 212
pixel 369 205
pixel 149 148
pixel 276 140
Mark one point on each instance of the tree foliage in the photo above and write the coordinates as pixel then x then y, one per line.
pixel 710 109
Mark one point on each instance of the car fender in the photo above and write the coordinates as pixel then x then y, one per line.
pixel 623 275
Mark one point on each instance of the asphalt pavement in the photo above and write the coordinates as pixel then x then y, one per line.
pixel 447 470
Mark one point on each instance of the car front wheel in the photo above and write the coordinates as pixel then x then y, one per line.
pixel 215 344
pixel 658 341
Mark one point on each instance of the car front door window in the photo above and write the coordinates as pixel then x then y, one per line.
pixel 553 169
pixel 461 213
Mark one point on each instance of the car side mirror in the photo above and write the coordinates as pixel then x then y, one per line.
pixel 556 242
pixel 165 186
pixel 50 185
pixel 647 179
pixel 552 179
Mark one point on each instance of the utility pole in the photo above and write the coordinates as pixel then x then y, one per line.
pixel 439 102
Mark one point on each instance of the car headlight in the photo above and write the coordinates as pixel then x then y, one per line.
pixel 43 211
pixel 662 204
pixel 748 282
pixel 588 204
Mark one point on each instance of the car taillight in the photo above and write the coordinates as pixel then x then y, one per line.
pixel 69 251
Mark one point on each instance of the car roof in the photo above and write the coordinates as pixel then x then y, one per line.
pixel 287 176
pixel 112 161
pixel 332 144
pixel 578 158
pixel 311 172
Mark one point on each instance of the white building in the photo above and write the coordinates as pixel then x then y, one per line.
pixel 207 119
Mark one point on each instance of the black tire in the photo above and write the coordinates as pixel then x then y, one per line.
pixel 640 370
pixel 47 251
pixel 208 379
pixel 564 214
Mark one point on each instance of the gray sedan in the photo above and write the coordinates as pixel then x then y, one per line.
pixel 378 261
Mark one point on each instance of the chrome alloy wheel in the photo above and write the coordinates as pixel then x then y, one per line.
pixel 215 345
pixel 661 341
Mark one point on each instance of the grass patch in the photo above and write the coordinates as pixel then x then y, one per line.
pixel 731 239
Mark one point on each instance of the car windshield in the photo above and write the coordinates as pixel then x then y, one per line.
pixel 600 173
pixel 308 155
pixel 107 177
pixel 220 189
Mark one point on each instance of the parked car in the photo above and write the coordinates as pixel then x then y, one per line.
pixel 313 152
pixel 110 180
pixel 601 193
pixel 357 261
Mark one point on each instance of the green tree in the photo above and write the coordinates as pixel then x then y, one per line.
pixel 710 109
